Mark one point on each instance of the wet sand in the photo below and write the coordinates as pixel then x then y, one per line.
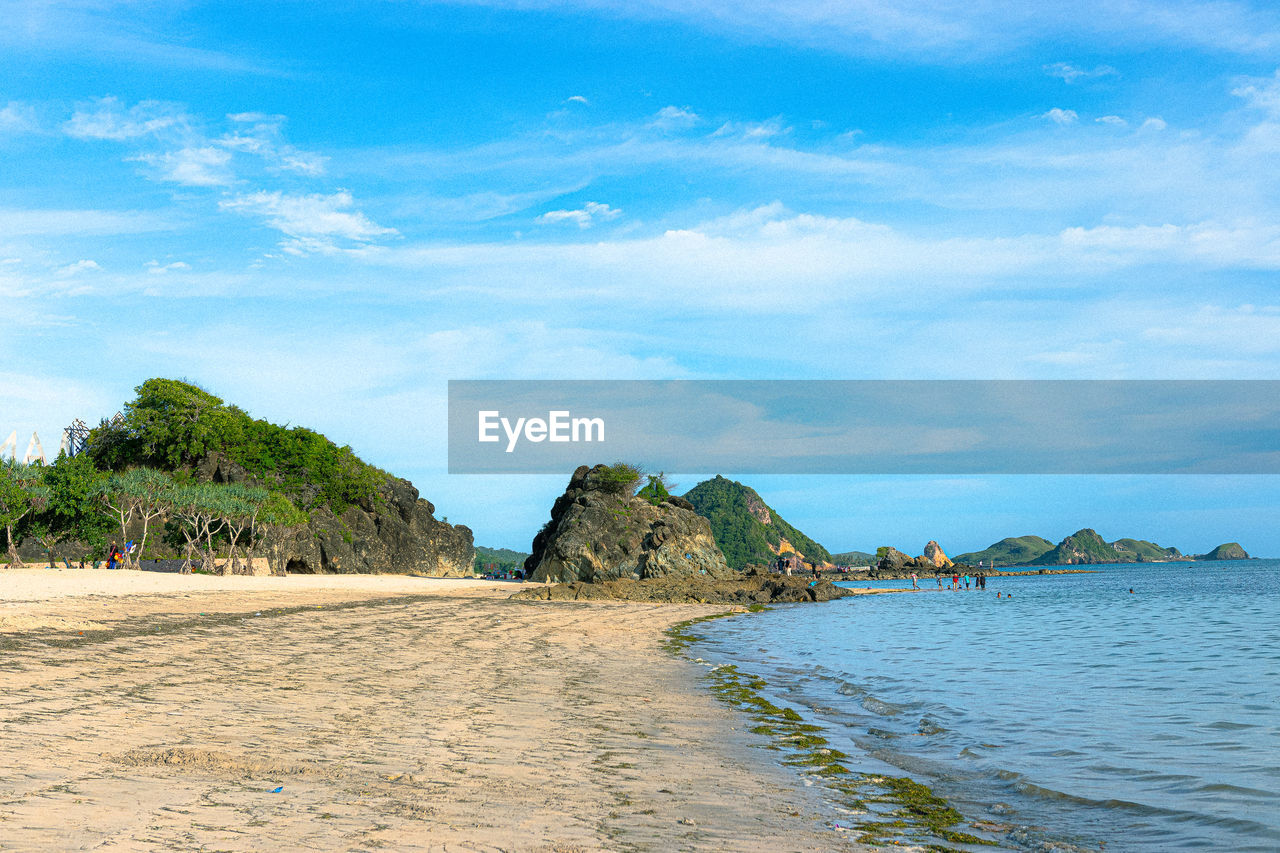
pixel 394 713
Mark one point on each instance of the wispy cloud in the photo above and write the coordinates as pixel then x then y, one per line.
pixel 51 223
pixel 313 223
pixel 106 119
pixel 17 117
pixel 180 147
pixel 1070 74
pixel 1061 117
pixel 957 32
pixel 584 217
pixel 81 266
pixel 674 118
pixel 204 166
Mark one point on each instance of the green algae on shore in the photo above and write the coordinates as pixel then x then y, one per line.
pixel 890 810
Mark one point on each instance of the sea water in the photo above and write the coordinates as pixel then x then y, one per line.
pixel 1074 713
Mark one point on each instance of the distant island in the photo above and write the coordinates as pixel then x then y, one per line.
pixel 1087 547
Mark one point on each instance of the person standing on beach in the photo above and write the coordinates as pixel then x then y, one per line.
pixel 913 581
pixel 111 556
pixel 955 581
pixel 966 580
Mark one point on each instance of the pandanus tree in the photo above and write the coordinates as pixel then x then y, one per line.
pixel 242 506
pixel 144 494
pixel 199 510
pixel 19 496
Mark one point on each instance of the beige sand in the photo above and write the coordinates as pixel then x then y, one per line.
pixel 452 720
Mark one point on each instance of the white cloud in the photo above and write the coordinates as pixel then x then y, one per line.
pixel 1070 73
pixel 753 130
pixel 313 222
pixel 1114 121
pixel 205 166
pixel 583 217
pixel 1261 93
pixel 107 120
pixel 78 267
pixel 576 99
pixel 156 268
pixel 1156 124
pixel 17 117
pixel 1060 116
pixel 674 118
pixel 263 136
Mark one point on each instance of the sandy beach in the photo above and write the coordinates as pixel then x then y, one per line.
pixel 144 711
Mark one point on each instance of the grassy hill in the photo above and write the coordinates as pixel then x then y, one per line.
pixel 1226 551
pixel 1080 548
pixel 1013 551
pixel 745 526
pixel 853 558
pixel 1142 551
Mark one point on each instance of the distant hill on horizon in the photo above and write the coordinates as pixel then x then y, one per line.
pixel 1011 551
pixel 504 558
pixel 1086 547
pixel 853 558
pixel 746 528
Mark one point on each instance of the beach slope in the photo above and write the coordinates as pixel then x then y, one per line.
pixel 362 712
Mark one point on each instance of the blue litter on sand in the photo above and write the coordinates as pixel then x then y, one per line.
pixel 277 790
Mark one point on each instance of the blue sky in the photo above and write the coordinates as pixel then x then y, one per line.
pixel 323 212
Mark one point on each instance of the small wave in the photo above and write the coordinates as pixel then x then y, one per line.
pixel 1228 725
pixel 880 707
pixel 930 727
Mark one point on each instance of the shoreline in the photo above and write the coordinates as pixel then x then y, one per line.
pixel 447 715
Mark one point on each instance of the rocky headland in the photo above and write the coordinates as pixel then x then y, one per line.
pixel 599 531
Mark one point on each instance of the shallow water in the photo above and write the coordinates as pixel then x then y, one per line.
pixel 1078 714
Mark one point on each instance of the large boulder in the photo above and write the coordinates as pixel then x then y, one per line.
pixel 597 533
pixel 893 561
pixel 935 557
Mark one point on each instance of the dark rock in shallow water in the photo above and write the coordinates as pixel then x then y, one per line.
pixel 741 589
pixel 597 533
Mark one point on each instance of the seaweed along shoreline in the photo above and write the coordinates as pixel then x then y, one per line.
pixel 869 808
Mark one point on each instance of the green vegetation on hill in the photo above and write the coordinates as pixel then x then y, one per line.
pixel 173 425
pixel 498 559
pixel 1226 551
pixel 1142 551
pixel 853 558
pixel 1013 551
pixel 1080 548
pixel 735 512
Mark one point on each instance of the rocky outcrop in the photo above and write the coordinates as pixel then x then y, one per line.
pixel 935 557
pixel 598 534
pixel 394 532
pixel 893 561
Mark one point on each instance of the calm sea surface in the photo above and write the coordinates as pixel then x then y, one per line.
pixel 1076 713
